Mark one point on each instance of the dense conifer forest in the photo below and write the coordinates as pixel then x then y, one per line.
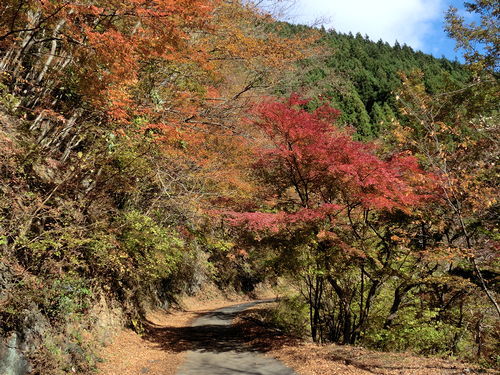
pixel 361 77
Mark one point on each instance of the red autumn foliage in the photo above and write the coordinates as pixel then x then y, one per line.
pixel 326 168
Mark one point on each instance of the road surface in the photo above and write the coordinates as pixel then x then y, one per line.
pixel 219 350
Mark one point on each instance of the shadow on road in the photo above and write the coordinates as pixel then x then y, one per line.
pixel 219 337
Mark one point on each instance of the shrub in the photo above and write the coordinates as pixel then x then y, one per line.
pixel 291 316
pixel 415 330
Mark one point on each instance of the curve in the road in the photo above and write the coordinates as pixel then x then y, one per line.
pixel 218 352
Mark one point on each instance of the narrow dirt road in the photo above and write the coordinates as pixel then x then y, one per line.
pixel 217 350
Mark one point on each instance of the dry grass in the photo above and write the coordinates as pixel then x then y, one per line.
pixel 311 359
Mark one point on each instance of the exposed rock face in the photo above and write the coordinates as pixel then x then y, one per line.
pixel 15 346
pixel 12 359
pixel 108 320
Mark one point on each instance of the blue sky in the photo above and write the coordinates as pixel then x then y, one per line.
pixel 418 23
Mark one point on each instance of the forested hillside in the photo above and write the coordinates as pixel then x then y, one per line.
pixel 361 77
pixel 149 148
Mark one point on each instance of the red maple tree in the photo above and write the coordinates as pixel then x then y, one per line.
pixel 325 169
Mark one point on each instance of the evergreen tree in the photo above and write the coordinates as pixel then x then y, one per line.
pixel 358 73
pixel 378 117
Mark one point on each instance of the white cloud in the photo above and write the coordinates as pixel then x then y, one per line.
pixel 407 21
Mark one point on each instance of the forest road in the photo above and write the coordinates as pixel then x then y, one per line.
pixel 218 349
